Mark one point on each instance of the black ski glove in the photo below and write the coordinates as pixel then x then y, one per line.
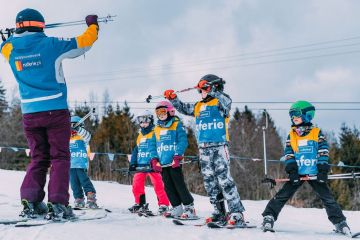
pixel 292 170
pixel 132 167
pixel 323 170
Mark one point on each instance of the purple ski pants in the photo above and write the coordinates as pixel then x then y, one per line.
pixel 48 136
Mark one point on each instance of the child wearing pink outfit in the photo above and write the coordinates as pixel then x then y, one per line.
pixel 142 156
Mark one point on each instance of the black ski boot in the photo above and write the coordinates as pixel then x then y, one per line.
pixel 137 206
pixel 59 212
pixel 343 228
pixel 219 215
pixel 268 224
pixel 33 209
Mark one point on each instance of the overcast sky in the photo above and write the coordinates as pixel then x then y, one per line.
pixel 155 45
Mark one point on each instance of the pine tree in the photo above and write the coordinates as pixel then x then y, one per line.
pixel 3 103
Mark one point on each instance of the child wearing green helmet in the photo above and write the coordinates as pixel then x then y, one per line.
pixel 306 154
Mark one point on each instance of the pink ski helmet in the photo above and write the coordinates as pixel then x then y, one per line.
pixel 165 105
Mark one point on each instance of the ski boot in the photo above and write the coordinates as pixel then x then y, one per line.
pixel 268 223
pixel 163 209
pixel 135 208
pixel 33 209
pixel 236 219
pixel 216 217
pixel 189 213
pixel 79 203
pixel 59 212
pixel 145 211
pixel 219 215
pixel 343 228
pixel 174 212
pixel 91 200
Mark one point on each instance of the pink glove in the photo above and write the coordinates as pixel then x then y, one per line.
pixel 176 161
pixel 155 165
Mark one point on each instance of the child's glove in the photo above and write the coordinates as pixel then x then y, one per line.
pixel 132 167
pixel 169 94
pixel 292 170
pixel 155 165
pixel 176 161
pixel 323 170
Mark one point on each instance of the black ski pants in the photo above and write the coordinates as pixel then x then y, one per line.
pixel 333 209
pixel 175 186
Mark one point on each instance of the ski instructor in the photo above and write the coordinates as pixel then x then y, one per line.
pixel 35 60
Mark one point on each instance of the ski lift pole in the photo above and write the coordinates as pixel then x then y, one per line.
pixel 266 178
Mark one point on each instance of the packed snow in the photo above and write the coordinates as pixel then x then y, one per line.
pixel 294 223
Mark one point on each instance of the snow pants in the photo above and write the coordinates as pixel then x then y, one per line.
pixel 215 169
pixel 333 209
pixel 48 135
pixel 138 187
pixel 80 182
pixel 175 186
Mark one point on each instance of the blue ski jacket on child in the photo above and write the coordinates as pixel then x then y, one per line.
pixel 145 148
pixel 80 149
pixel 307 151
pixel 171 140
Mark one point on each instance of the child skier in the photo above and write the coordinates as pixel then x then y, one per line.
pixel 212 118
pixel 142 155
pixel 171 140
pixel 35 60
pixel 79 153
pixel 306 153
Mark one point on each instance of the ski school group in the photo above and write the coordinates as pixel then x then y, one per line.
pixel 60 142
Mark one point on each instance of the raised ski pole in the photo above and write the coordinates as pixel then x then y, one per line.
pixel 150 97
pixel 85 117
pixel 266 178
pixel 108 18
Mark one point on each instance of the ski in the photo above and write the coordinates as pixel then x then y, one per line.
pixel 147 213
pixel 91 209
pixel 267 229
pixel 12 221
pixel 86 216
pixel 180 222
pixel 227 226
pixel 356 235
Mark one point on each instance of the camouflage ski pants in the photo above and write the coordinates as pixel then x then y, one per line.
pixel 215 168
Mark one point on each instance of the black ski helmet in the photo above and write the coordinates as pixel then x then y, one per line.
pixel 211 78
pixel 29 20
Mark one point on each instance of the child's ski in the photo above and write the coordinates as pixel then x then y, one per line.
pixel 225 225
pixel 180 222
pixel 87 215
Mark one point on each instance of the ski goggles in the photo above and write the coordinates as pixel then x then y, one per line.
pixel 203 85
pixel 297 112
pixel 161 111
pixel 143 119
pixel 73 124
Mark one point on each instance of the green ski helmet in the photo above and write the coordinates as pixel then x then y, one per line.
pixel 302 109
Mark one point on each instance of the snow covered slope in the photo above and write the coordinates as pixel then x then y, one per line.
pixel 294 223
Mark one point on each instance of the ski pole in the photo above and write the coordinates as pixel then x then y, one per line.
pixel 310 178
pixel 84 118
pixel 182 163
pixel 108 18
pixel 125 171
pixel 150 97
